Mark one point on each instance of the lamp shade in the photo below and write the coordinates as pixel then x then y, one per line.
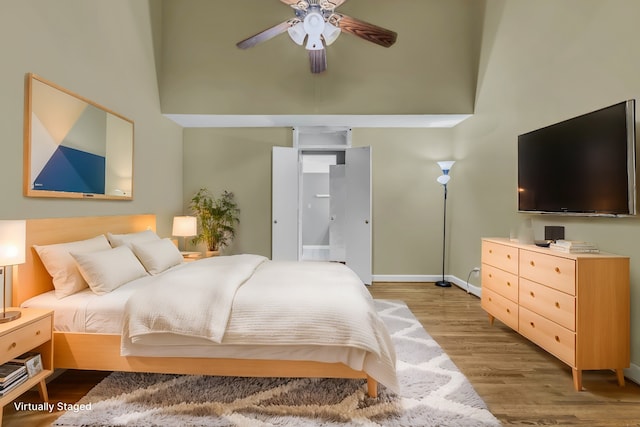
pixel 297 33
pixel 446 165
pixel 330 33
pixel 443 179
pixel 184 226
pixel 12 242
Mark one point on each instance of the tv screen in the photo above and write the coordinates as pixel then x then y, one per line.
pixel 582 166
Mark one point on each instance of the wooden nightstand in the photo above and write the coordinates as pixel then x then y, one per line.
pixel 33 331
pixel 191 256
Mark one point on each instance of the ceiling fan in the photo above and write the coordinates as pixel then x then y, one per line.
pixel 319 23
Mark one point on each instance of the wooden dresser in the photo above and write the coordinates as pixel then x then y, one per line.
pixel 575 306
pixel 32 331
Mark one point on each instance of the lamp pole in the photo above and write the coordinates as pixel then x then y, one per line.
pixel 443 180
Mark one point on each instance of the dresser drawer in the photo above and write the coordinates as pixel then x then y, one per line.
pixel 501 256
pixel 547 302
pixel 500 307
pixel 500 281
pixel 554 338
pixel 25 338
pixel 553 271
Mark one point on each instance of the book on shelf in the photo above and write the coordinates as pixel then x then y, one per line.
pixel 9 371
pixel 31 360
pixel 10 384
pixel 7 387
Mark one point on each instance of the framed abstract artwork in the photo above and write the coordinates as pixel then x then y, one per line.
pixel 73 147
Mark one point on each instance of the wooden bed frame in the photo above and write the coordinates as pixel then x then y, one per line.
pixel 102 351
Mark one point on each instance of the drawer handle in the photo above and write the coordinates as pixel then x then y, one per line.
pixel 557 338
pixel 37 333
pixel 13 345
pixel 490 276
pixel 533 264
pixel 508 256
pixel 532 294
pixel 532 324
pixel 557 270
pixel 490 300
pixel 508 283
pixel 508 311
pixel 557 304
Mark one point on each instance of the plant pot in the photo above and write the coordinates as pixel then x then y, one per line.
pixel 209 254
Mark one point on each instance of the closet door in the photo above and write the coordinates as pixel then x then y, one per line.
pixel 284 210
pixel 358 211
pixel 337 212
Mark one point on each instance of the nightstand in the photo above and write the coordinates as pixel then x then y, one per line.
pixel 33 331
pixel 191 256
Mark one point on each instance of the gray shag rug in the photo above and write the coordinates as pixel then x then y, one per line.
pixel 433 393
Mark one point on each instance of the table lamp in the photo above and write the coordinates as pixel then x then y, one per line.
pixel 12 252
pixel 184 226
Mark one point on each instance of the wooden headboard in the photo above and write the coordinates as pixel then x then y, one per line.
pixel 31 278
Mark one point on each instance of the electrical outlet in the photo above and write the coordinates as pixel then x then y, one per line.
pixel 476 271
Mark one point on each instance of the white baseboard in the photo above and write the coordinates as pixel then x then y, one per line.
pixel 632 373
pixel 406 278
pixel 472 289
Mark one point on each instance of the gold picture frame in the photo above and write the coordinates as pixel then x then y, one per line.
pixel 74 147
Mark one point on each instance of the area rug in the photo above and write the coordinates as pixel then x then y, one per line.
pixel 433 393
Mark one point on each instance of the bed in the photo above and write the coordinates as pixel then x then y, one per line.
pixel 110 350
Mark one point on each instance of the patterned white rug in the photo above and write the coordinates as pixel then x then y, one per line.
pixel 433 393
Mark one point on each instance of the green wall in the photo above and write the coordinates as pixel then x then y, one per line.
pixel 542 62
pixel 407 201
pixel 237 160
pixel 104 51
pixel 431 68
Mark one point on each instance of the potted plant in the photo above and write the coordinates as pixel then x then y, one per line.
pixel 217 218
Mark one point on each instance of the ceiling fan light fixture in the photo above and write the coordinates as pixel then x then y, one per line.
pixel 330 33
pixel 314 25
pixel 314 43
pixel 297 33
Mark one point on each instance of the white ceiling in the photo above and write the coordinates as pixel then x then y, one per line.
pixel 351 121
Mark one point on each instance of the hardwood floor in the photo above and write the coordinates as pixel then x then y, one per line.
pixel 520 383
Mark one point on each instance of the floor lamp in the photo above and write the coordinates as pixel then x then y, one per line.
pixel 443 180
pixel 12 252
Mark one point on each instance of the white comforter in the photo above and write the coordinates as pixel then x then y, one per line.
pixel 248 300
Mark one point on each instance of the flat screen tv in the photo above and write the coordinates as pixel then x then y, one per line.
pixel 582 166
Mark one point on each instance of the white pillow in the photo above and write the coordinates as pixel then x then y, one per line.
pixel 58 261
pixel 129 238
pixel 107 270
pixel 157 255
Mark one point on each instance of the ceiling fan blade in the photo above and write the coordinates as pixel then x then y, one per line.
pixel 318 60
pixel 373 33
pixel 267 34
